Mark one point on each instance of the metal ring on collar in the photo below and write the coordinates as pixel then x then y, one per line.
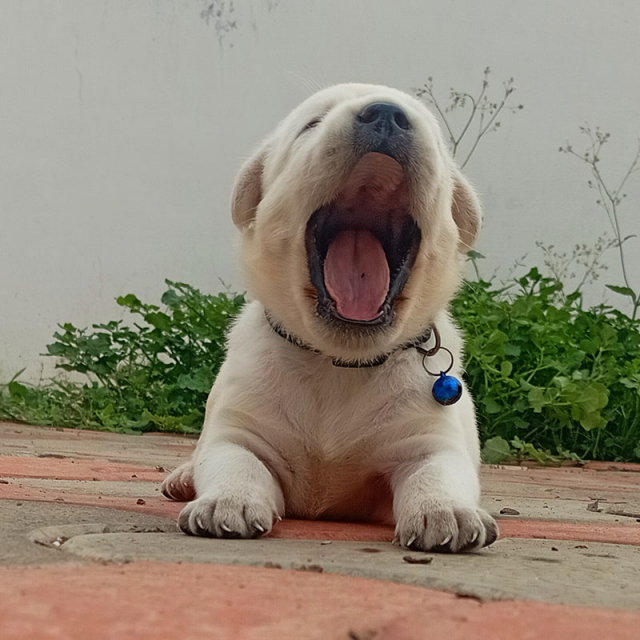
pixel 445 371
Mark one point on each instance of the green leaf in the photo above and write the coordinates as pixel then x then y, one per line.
pixel 130 301
pixel 536 454
pixel 537 399
pixel 608 335
pixel 57 349
pixel 159 320
pixel 593 397
pixel 589 346
pixel 593 420
pixel 496 450
pixel 17 390
pixel 171 298
pixel 568 455
pixel 631 384
pixel 512 350
pixel 519 423
pixel 18 374
pixel 506 368
pixel 527 386
pixel 623 291
pixel 534 274
pixel 201 380
pixel 494 345
pixel 491 405
pixel 98 344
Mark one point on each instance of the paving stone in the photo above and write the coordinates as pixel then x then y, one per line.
pixel 605 575
pixel 157 601
pixel 74 501
pixel 21 519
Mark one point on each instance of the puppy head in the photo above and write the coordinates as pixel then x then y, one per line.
pixel 354 220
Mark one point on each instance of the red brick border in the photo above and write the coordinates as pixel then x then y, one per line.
pixel 148 601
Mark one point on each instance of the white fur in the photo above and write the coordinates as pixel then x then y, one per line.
pixel 286 431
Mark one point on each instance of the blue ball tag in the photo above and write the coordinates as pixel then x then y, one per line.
pixel 446 389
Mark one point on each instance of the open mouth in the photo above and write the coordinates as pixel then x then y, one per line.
pixel 361 247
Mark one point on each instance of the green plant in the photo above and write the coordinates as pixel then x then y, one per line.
pixel 150 375
pixel 548 375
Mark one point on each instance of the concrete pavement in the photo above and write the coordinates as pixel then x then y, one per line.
pixel 90 550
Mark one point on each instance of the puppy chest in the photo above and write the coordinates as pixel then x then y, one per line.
pixel 323 487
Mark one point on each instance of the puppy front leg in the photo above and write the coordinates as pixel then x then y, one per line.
pixel 237 496
pixel 435 504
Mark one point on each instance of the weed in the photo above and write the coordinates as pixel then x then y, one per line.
pixel 609 200
pixel 549 376
pixel 480 112
pixel 151 375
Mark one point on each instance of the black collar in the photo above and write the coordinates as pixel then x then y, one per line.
pixel 359 364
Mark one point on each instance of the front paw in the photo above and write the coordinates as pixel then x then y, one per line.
pixel 227 516
pixel 179 484
pixel 444 526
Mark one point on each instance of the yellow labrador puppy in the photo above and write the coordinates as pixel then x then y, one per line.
pixel 354 222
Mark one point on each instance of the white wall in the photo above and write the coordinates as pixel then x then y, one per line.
pixel 122 123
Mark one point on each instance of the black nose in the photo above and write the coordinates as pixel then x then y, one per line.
pixel 384 117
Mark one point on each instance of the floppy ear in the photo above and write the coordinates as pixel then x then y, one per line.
pixel 247 190
pixel 466 211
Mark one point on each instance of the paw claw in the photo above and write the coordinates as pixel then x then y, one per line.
pixel 445 527
pixel 222 516
pixel 178 485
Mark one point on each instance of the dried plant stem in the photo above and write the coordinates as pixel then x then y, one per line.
pixel 609 199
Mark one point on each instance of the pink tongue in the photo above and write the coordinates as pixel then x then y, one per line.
pixel 356 274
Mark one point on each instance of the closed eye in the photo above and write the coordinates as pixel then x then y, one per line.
pixel 310 125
